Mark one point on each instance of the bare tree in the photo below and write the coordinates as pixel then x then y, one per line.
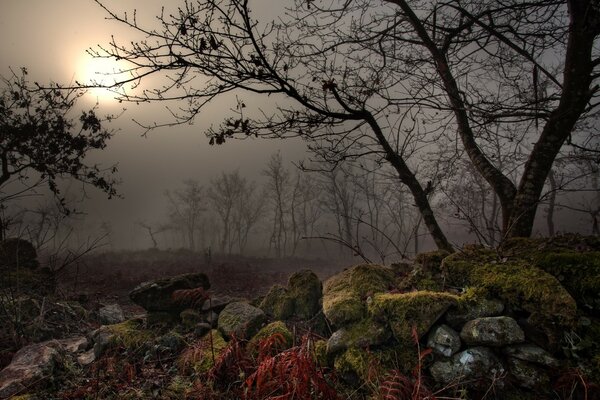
pixel 186 206
pixel 211 48
pixel 367 79
pixel 239 206
pixel 279 193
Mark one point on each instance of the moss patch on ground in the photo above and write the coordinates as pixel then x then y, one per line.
pixel 130 334
pixel 200 356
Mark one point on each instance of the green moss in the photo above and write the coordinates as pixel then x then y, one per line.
pixel 130 334
pixel 518 283
pixel 578 272
pixel 431 260
pixel 320 353
pixel 278 303
pixel 403 311
pixel 199 357
pixel 190 318
pixel 345 294
pixel 269 330
pixel 370 367
pixel 306 290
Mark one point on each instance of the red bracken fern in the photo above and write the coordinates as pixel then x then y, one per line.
pixel 192 298
pixel 291 374
pixel 397 386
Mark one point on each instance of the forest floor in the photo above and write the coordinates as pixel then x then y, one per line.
pixel 109 277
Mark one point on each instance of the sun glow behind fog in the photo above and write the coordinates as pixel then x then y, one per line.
pixel 101 75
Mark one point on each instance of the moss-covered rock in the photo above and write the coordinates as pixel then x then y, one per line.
pixel 578 272
pixel 274 328
pixel 363 334
pixel 241 319
pixel 278 303
pixel 521 285
pixel 130 334
pixel 190 318
pixel 345 294
pixel 403 311
pixel 306 290
pixel 431 260
pixel 157 295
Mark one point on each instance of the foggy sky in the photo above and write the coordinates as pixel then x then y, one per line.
pixel 50 39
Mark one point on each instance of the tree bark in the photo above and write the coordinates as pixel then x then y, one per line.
pixel 577 78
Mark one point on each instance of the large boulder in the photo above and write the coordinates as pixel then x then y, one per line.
pixel 306 290
pixel 241 320
pixel 404 312
pixel 157 295
pixel 30 366
pixel 345 295
pixel 492 331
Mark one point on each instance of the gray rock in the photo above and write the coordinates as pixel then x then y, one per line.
pixel 531 353
pixel 111 314
pixel 157 295
pixel 30 366
pixel 241 319
pixel 528 375
pixel 492 331
pixel 444 340
pixel 474 366
pixel 74 345
pixel 87 357
pixel 456 317
pixel 101 338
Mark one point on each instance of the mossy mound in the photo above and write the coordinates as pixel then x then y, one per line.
pixel 199 358
pixel 520 284
pixel 579 273
pixel 278 303
pixel 573 259
pixel 431 260
pixel 345 294
pixel 405 311
pixel 268 331
pixel 130 334
pixel 364 366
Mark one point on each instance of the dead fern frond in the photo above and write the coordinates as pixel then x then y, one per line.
pixel 290 374
pixel 190 298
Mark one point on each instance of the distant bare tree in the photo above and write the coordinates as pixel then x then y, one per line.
pixel 186 206
pixel 278 188
pixel 239 206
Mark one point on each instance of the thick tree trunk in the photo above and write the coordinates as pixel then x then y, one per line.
pixel 577 77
